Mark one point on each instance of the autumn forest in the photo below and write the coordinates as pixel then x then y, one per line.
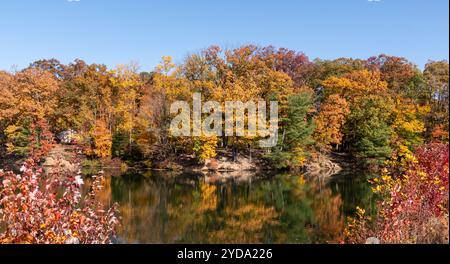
pixel 383 116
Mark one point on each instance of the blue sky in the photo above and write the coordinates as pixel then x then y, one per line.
pixel 118 31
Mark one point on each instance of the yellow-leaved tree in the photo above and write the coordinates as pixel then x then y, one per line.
pixel 330 122
pixel 101 140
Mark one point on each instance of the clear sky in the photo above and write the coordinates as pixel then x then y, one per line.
pixel 120 31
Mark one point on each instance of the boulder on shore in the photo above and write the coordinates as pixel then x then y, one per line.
pixel 226 164
pixel 322 166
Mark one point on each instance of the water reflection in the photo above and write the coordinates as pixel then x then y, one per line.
pixel 160 207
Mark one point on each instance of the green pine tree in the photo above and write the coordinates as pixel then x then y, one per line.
pixel 296 136
pixel 367 131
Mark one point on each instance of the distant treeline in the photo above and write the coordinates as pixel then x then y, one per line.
pixel 373 109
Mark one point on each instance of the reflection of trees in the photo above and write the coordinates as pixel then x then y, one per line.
pixel 287 209
pixel 245 224
pixel 327 217
pixel 308 211
pixel 160 210
pixel 189 213
pixel 223 214
pixel 355 191
pixel 208 200
pixel 138 204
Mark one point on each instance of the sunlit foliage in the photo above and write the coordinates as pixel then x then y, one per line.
pixel 414 208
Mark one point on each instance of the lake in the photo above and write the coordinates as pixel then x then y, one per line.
pixel 165 207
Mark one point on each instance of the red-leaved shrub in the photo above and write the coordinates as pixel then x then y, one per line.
pixel 414 206
pixel 52 210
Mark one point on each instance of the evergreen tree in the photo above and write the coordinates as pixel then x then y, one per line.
pixel 297 133
pixel 367 132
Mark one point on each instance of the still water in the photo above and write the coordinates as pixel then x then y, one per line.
pixel 162 207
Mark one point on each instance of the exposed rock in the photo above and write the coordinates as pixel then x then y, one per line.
pixel 226 164
pixel 322 166
pixel 373 240
pixel 72 241
pixel 213 165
